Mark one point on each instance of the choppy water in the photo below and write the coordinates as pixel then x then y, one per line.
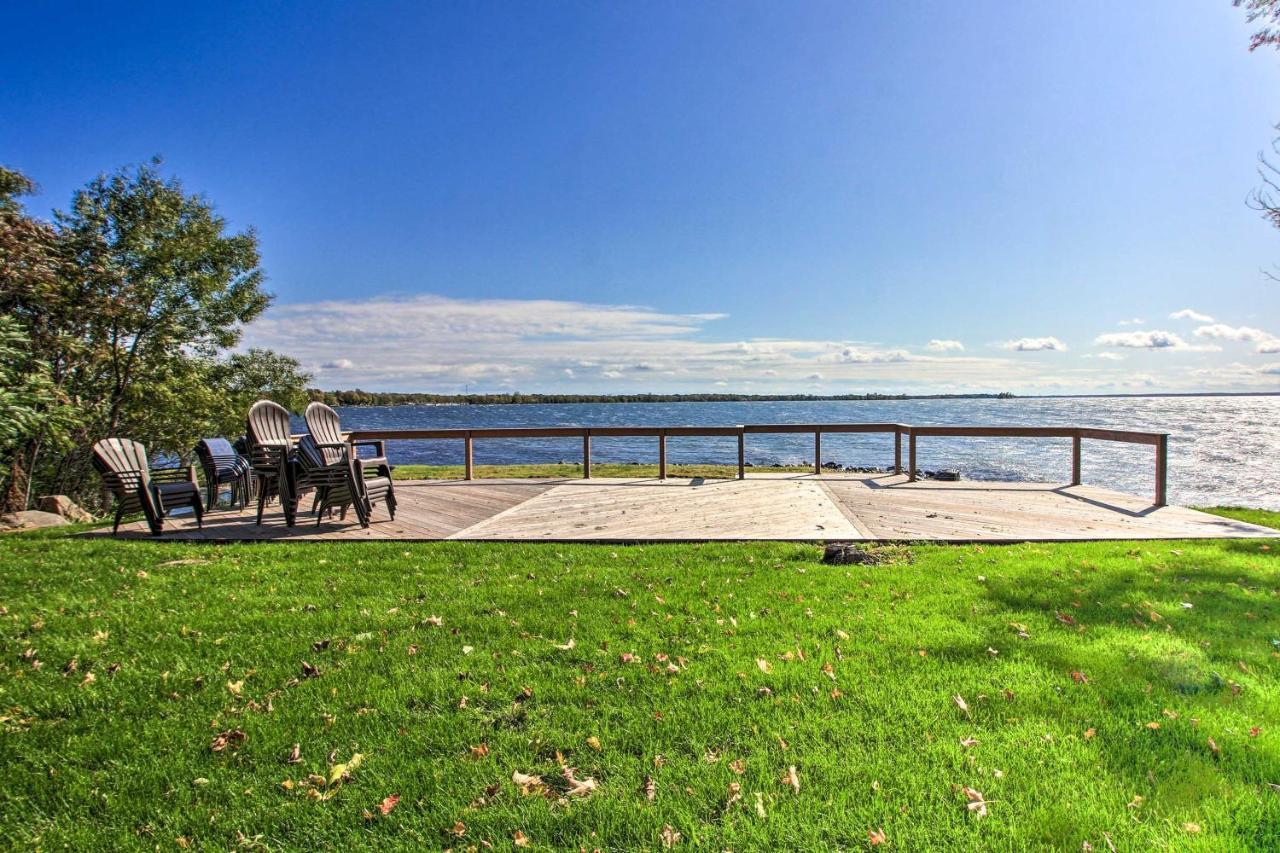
pixel 1222 450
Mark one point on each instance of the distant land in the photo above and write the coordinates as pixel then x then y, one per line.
pixel 387 398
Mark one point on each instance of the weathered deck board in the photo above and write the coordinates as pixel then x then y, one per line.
pixel 764 506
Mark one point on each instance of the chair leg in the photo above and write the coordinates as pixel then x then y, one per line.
pixel 262 502
pixel 199 510
pixel 115 528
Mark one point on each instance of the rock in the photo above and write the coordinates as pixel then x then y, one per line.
pixel 845 554
pixel 831 466
pixel 950 476
pixel 29 519
pixel 63 506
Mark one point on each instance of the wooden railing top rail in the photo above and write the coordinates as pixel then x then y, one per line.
pixel 1159 440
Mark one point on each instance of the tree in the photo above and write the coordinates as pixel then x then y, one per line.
pixel 133 299
pixel 1267 11
pixel 31 407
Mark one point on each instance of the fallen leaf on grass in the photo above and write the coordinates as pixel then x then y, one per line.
pixel 1079 677
pixel 670 838
pixel 1190 827
pixel 764 665
pixel 1089 733
pixel 1213 746
pixel 564 647
pixel 594 743
pixel 434 621
pixel 388 803
pixel 295 755
pixel 459 828
pixel 480 751
pixel 1153 725
pixel 977 804
pixel 229 738
pixel 519 839
pixel 738 766
pixel 527 783
pixel 89 678
pixel 969 742
pixel 650 788
pixel 309 671
pixel 578 787
pixel 876 837
pixel 961 704
pixel 792 779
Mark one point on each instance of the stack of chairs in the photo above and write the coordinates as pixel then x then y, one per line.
pixel 342 479
pixel 126 470
pixel 224 466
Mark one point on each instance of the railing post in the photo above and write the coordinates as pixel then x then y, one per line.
pixel 897 451
pixel 586 455
pixel 662 456
pixel 1162 471
pixel 742 453
pixel 911 457
pixel 1075 460
pixel 467 456
pixel 817 453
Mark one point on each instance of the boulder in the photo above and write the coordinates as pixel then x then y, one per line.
pixel 30 519
pixel 63 506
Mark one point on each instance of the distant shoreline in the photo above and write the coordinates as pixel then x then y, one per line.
pixel 388 398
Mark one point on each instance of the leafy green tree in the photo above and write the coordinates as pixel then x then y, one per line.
pixel 134 299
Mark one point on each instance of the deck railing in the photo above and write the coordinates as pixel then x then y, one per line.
pixel 1077 434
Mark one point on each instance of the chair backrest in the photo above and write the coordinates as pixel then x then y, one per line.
pixel 268 424
pixel 325 428
pixel 123 464
pixel 218 457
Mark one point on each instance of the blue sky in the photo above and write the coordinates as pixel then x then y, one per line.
pixel 713 196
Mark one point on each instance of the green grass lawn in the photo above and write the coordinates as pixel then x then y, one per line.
pixel 1122 692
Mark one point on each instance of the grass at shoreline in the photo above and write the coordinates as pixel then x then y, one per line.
pixel 688 664
pixel 1263 517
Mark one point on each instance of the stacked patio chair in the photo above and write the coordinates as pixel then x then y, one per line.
pixel 126 470
pixel 341 477
pixel 272 457
pixel 224 466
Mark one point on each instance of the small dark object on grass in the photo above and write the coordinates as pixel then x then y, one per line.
pixel 852 554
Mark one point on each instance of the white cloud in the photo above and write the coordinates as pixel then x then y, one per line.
pixel 1136 321
pixel 1190 314
pixel 936 345
pixel 1034 345
pixel 1222 331
pixel 1142 340
pixel 434 343
pixel 1267 343
pixel 1105 356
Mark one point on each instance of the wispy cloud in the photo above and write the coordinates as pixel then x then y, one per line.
pixel 1136 321
pixel 1153 339
pixel 1034 345
pixel 937 345
pixel 1190 314
pixel 1267 342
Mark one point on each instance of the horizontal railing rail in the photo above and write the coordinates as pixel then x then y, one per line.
pixel 740 431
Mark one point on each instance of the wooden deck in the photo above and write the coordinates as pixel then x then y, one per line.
pixel 763 507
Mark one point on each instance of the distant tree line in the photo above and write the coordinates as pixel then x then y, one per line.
pixel 357 397
pixel 118 318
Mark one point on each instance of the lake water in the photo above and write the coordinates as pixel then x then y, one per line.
pixel 1222 450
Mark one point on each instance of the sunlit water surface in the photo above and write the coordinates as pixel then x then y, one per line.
pixel 1222 450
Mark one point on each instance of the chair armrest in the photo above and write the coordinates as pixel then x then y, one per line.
pixel 173 475
pixel 379 447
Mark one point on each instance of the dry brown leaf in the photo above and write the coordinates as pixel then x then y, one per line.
pixel 230 738
pixel 977 804
pixel 650 788
pixel 792 779
pixel 480 751
pixel 738 766
pixel 961 704
pixel 459 828
pixel 295 755
pixel 388 803
pixel 520 839
pixel 434 621
pixel 1089 733
pixel 876 837
pixel 670 838
pixel 969 742
pixel 527 783
pixel 1213 745
pixel 594 743
pixel 764 665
